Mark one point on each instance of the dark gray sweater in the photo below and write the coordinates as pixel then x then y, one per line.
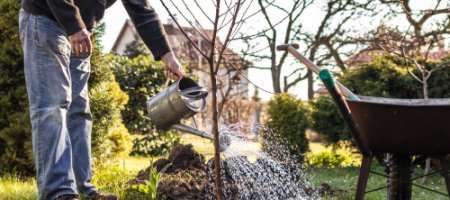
pixel 74 15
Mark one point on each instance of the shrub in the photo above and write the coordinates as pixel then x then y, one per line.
pixel 326 120
pixel 287 123
pixel 15 127
pixel 326 159
pixel 141 78
pixel 136 48
pixel 110 138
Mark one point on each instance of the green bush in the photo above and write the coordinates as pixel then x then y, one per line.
pixel 326 159
pixel 15 127
pixel 110 138
pixel 387 77
pixel 287 124
pixel 326 120
pixel 136 48
pixel 142 78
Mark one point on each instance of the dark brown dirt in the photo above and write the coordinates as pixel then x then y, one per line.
pixel 190 178
pixel 187 178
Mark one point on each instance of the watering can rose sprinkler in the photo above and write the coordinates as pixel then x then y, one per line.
pixel 182 100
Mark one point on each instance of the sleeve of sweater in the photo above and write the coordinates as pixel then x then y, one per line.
pixel 67 15
pixel 148 26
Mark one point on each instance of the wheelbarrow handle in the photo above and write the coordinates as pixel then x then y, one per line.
pixel 313 67
pixel 329 83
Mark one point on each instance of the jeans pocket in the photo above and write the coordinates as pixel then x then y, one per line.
pixel 23 18
pixel 53 36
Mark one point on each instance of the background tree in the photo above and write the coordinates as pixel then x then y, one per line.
pixel 136 47
pixel 418 43
pixel 324 45
pixel 293 13
pixel 15 126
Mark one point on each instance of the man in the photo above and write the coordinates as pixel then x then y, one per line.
pixel 57 48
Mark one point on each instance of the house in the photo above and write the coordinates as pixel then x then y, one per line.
pixel 184 50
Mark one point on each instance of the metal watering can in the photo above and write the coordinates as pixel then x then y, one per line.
pixel 181 100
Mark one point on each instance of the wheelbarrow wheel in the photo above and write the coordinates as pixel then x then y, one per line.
pixel 400 170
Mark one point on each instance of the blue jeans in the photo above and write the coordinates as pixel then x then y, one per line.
pixel 61 120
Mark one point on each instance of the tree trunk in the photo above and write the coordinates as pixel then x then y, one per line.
pixel 310 85
pixel 310 76
pixel 215 130
pixel 425 95
pixel 275 71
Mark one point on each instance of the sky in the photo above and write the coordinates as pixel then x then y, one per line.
pixel 116 15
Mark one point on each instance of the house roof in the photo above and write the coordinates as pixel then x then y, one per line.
pixel 321 90
pixel 181 46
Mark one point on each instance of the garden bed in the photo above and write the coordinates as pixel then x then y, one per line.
pixel 190 178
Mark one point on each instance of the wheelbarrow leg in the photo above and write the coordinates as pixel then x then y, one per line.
pixel 446 176
pixel 363 177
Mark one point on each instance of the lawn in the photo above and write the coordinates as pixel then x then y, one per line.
pixel 112 178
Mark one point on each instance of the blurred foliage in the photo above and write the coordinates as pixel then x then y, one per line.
pixel 142 78
pixel 326 159
pixel 15 128
pixel 386 76
pixel 109 137
pixel 136 48
pixel 326 120
pixel 288 124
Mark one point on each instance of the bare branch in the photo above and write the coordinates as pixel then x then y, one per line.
pixel 192 25
pixel 246 77
pixel 259 33
pixel 203 12
pixel 184 32
pixel 407 68
pixel 428 51
pixel 437 68
pixel 300 78
pixel 227 39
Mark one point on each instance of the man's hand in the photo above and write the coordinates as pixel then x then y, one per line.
pixel 172 67
pixel 81 43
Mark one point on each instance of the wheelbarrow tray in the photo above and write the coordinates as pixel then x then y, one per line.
pixel 403 126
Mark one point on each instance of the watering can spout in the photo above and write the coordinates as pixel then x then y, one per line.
pixel 193 131
pixel 224 139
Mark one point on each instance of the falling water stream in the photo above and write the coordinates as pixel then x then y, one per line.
pixel 258 174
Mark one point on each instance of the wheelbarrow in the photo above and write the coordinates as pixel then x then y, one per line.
pixel 391 130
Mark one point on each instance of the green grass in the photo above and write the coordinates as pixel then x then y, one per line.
pixel 346 178
pixel 112 178
pixel 12 187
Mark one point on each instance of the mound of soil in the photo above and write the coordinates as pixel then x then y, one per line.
pixel 190 178
pixel 187 178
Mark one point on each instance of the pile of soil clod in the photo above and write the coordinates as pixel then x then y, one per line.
pixel 190 178
pixel 187 178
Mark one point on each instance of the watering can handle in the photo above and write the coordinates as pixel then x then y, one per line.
pixel 194 89
pixel 202 96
